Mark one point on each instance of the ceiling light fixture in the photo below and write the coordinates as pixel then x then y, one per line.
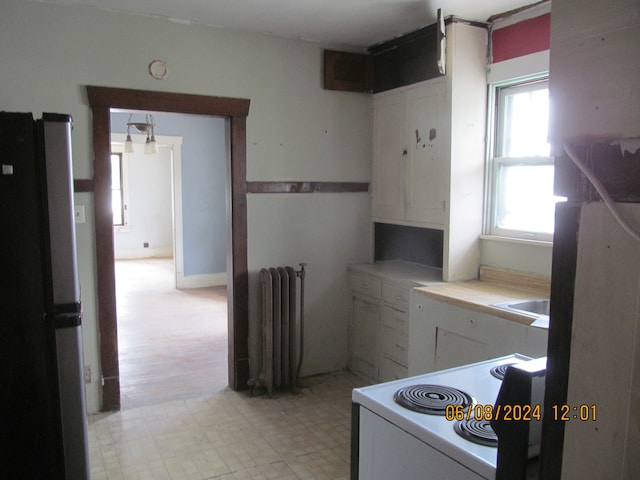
pixel 150 145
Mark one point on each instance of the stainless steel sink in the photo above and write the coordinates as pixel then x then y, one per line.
pixel 538 307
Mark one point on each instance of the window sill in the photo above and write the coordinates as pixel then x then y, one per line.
pixel 521 241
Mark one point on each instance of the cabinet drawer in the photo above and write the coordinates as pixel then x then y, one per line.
pixel 395 345
pixel 390 370
pixel 366 285
pixel 395 294
pixel 395 318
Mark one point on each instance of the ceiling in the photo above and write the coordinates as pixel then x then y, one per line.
pixel 355 23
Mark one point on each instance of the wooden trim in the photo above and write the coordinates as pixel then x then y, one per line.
pixel 101 100
pixel 83 185
pixel 166 102
pixel 238 287
pixel 563 275
pixel 105 259
pixel 307 187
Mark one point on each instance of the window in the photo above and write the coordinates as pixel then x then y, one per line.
pixel 521 202
pixel 118 190
pixel 117 194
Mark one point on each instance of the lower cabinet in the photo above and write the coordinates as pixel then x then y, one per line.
pixel 378 333
pixel 445 336
pixel 364 337
pixel 396 332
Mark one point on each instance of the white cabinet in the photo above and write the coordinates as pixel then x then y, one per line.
pixel 389 154
pixel 445 335
pixel 409 166
pixel 365 325
pixel 364 337
pixel 379 327
pixel 429 151
pixel 428 167
pixel 394 330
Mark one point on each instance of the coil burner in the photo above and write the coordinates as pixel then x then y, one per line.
pixel 477 431
pixel 499 370
pixel 432 399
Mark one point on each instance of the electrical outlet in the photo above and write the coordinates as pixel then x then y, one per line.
pixel 87 374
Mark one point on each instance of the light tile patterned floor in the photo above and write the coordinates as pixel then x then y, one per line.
pixel 230 436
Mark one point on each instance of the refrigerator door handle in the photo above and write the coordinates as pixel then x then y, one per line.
pixel 67 315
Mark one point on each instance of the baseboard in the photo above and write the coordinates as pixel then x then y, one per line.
pixel 201 281
pixel 143 253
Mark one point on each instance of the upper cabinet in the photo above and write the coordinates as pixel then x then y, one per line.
pixel 408 151
pixel 429 152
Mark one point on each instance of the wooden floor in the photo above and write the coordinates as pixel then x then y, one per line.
pixel 172 343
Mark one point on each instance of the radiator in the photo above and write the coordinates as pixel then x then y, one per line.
pixel 282 334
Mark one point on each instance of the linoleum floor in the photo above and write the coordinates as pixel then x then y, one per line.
pixel 205 432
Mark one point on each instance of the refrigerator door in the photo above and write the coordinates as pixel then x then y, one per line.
pixel 30 430
pixel 67 316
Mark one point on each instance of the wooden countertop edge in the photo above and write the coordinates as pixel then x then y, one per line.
pixel 479 295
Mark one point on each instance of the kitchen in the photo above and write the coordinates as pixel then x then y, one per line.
pixel 48 69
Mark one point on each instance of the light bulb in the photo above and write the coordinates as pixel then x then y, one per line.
pixel 128 144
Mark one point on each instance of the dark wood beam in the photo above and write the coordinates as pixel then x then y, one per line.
pixel 307 187
pixel 165 102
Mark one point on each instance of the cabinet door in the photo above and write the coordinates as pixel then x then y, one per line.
pixel 466 336
pixel 442 336
pixel 364 337
pixel 426 176
pixel 389 153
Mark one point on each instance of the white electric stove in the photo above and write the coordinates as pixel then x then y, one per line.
pixel 393 440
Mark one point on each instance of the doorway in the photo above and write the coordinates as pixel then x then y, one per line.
pixel 172 323
pixel 101 101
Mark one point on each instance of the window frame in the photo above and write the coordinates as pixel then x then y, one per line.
pixel 118 149
pixel 495 123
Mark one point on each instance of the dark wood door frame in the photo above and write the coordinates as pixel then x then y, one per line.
pixel 101 100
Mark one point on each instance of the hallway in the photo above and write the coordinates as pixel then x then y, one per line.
pixel 172 343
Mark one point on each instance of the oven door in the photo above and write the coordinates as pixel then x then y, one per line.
pixel 386 451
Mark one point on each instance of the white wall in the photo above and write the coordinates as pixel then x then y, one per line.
pixel 295 131
pixel 327 232
pixel 595 81
pixel 150 221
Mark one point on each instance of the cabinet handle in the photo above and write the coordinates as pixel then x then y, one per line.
pixel 420 307
pixel 404 152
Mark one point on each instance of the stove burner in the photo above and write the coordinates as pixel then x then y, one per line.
pixel 477 431
pixel 500 370
pixel 431 399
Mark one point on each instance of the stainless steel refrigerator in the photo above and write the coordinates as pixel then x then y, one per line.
pixel 42 398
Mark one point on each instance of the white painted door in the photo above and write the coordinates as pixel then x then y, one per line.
pixel 389 156
pixel 426 181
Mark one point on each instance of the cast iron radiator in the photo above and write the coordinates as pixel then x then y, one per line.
pixel 282 334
